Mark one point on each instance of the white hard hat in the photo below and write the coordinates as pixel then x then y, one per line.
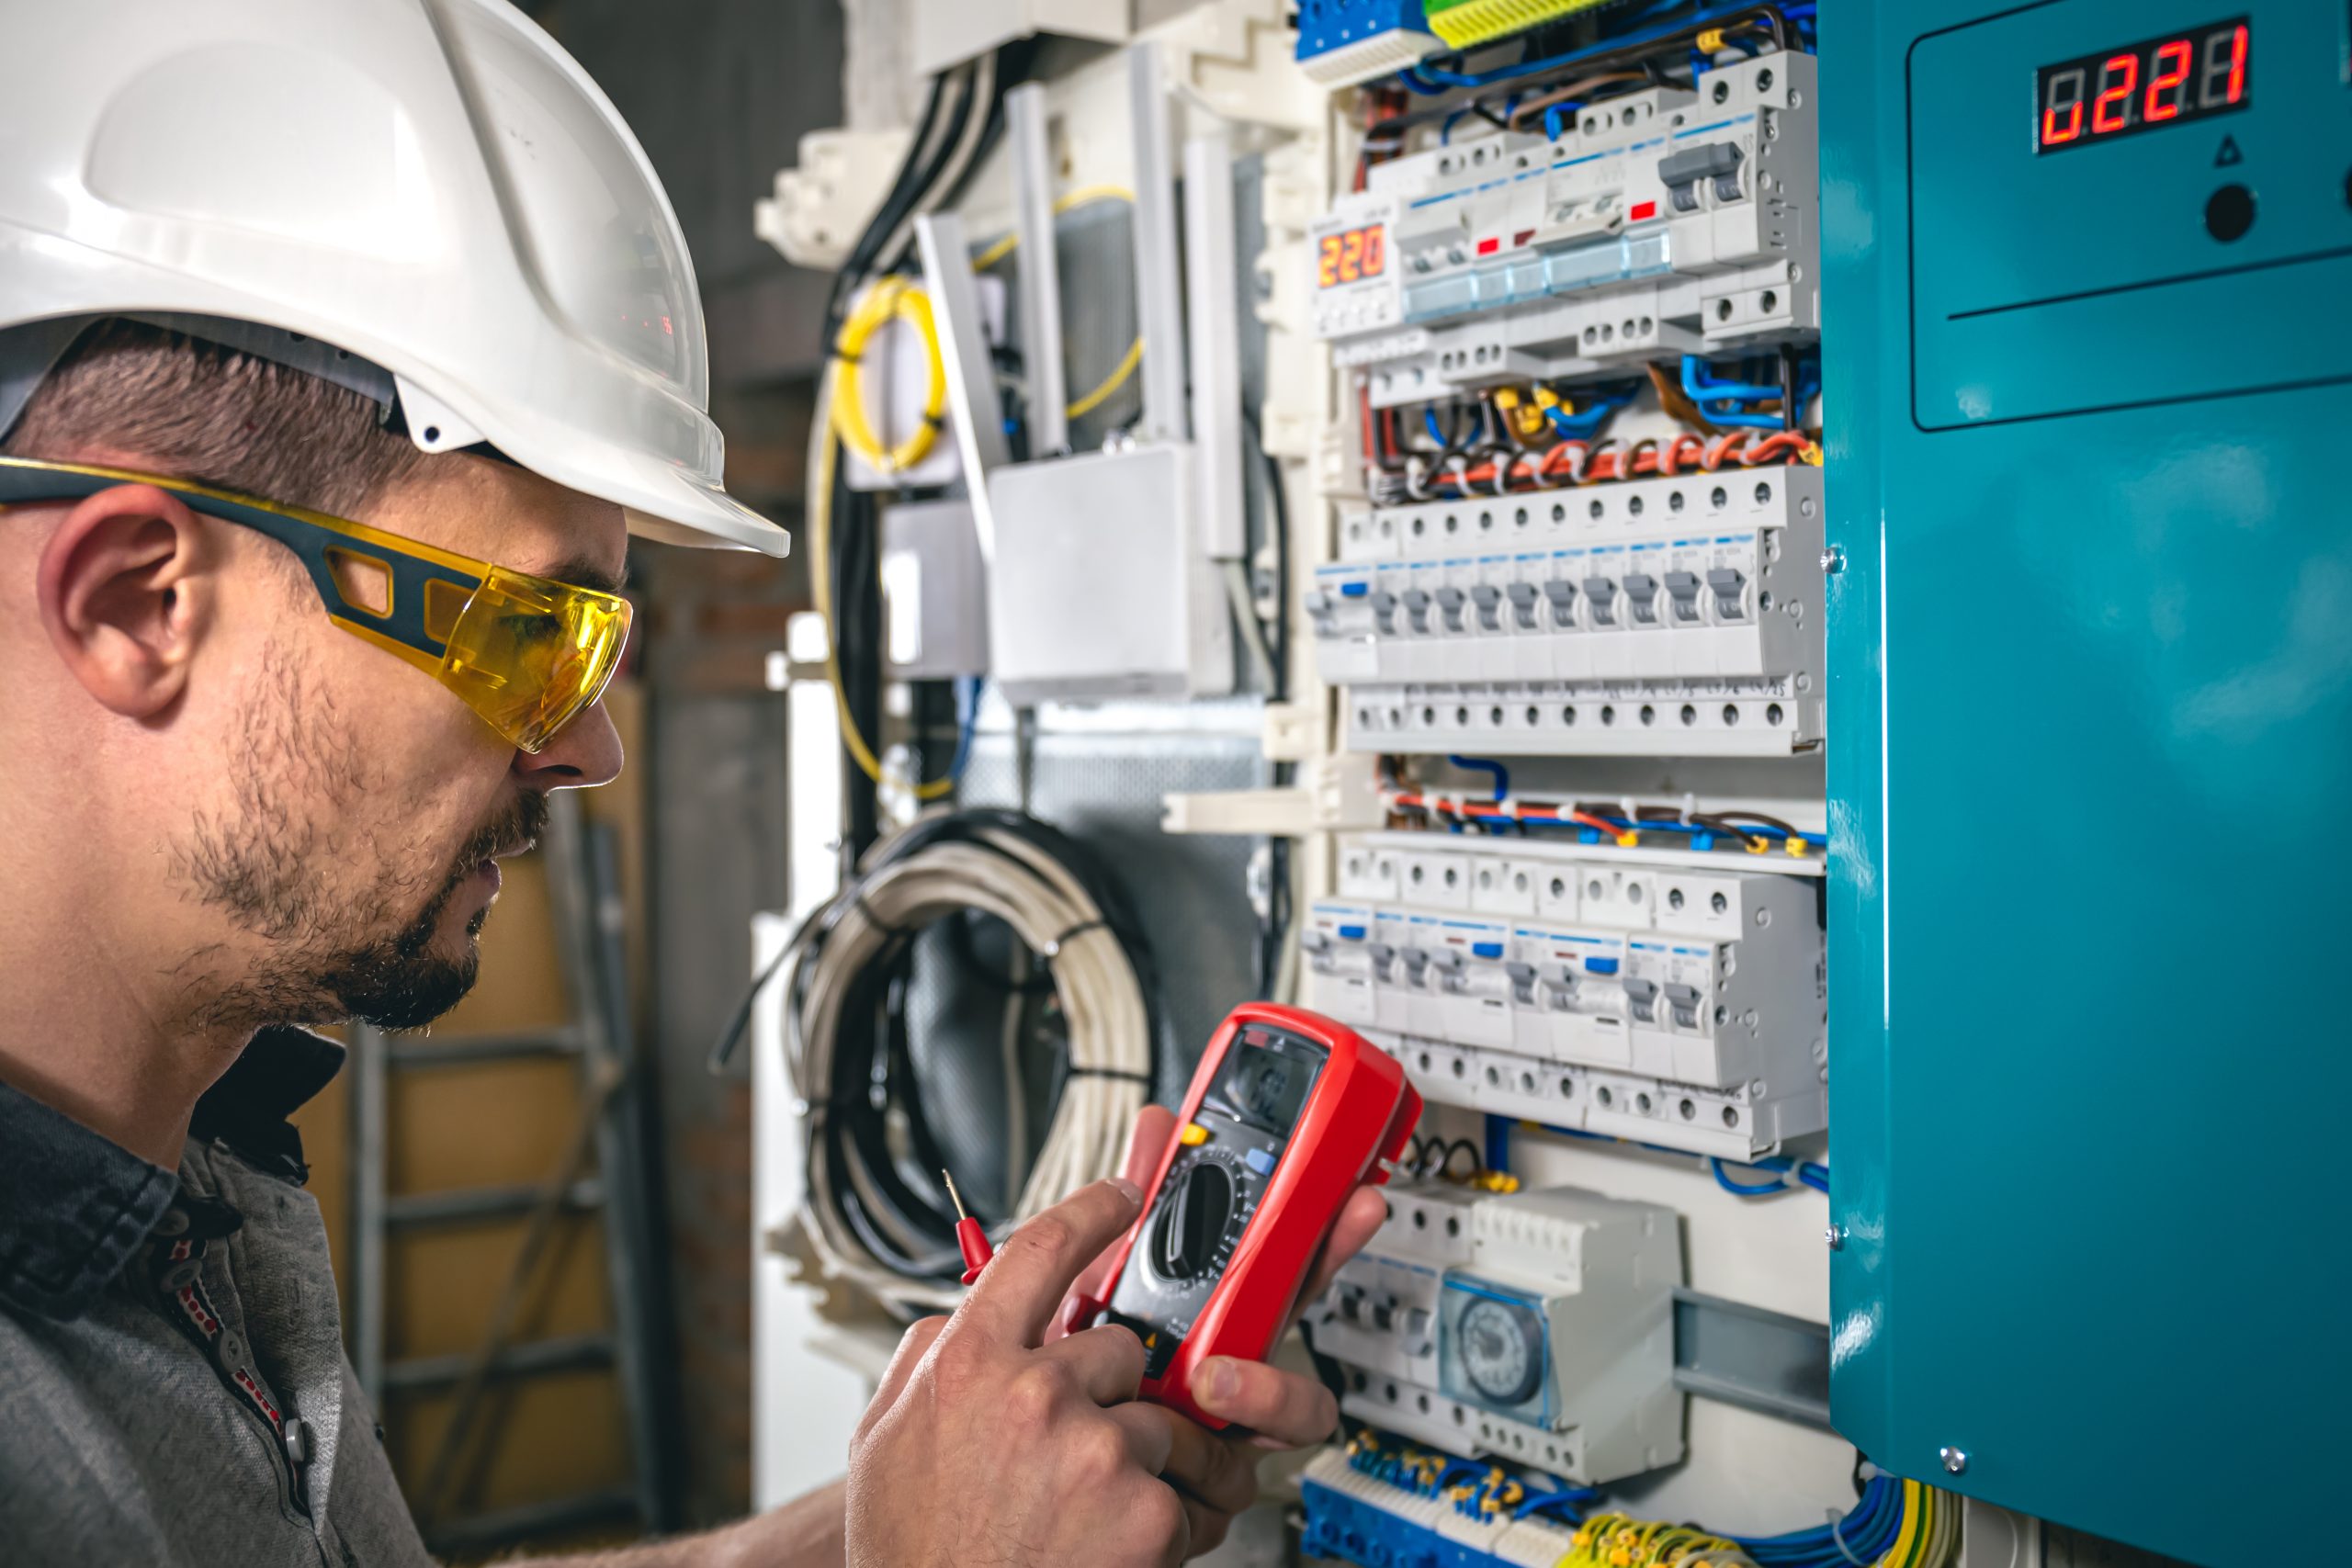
pixel 433 187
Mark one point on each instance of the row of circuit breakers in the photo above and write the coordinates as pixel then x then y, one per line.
pixel 1649 618
pixel 1681 1008
pixel 1658 617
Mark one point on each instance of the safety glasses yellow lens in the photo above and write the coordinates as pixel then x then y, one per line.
pixel 528 654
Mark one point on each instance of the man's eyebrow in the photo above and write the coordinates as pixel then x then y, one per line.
pixel 583 572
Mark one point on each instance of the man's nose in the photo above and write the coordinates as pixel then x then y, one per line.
pixel 585 753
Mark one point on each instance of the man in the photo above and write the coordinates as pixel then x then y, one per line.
pixel 341 346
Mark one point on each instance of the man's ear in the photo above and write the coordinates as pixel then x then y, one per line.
pixel 126 592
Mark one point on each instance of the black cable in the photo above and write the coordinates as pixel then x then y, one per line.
pixel 874 1131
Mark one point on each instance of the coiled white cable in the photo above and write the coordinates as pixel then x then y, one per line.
pixel 1102 1003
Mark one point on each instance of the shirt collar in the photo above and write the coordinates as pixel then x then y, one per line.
pixel 74 1205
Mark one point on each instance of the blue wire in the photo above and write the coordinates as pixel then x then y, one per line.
pixel 1496 770
pixel 1429 420
pixel 1498 1143
pixel 1698 381
pixel 1741 1188
pixel 1552 117
pixel 968 712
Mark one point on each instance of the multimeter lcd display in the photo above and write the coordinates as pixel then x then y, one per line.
pixel 1268 1089
pixel 2166 81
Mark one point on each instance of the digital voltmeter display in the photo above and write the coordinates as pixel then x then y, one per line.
pixel 1352 255
pixel 2168 80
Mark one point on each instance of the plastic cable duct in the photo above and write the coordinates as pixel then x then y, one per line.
pixel 873 1215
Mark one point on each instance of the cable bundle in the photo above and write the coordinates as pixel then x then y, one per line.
pixel 876 1213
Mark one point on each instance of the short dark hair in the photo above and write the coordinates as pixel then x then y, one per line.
pixel 196 410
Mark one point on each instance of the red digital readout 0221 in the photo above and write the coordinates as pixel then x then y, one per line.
pixel 1352 255
pixel 2143 87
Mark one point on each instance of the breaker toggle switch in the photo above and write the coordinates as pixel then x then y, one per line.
pixel 1451 967
pixel 1601 600
pixel 1683 173
pixel 1641 594
pixel 1416 609
pixel 1489 599
pixel 1684 586
pixel 1522 982
pixel 1382 955
pixel 1415 1332
pixel 1313 940
pixel 1417 964
pixel 1384 613
pixel 1730 586
pixel 1683 1002
pixel 1563 595
pixel 1449 603
pixel 1560 989
pixel 1641 998
pixel 1522 604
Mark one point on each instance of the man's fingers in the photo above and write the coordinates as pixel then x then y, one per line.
pixel 1147 1141
pixel 1034 1267
pixel 1149 1433
pixel 1108 1361
pixel 1208 1527
pixel 1283 1409
pixel 903 1362
pixel 1206 1466
pixel 1360 1217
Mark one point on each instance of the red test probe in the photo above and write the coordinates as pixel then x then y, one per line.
pixel 968 1234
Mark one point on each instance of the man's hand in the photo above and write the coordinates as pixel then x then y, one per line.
pixel 982 1447
pixel 1215 1473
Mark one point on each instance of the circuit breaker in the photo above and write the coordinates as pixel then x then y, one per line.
pixel 1534 1326
pixel 2091 699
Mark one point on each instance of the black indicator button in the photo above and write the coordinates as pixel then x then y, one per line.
pixel 2229 213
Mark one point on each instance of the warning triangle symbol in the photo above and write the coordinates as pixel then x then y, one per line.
pixel 2229 153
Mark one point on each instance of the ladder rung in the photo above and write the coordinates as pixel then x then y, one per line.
pixel 487 1532
pixel 464 1050
pixel 562 1354
pixel 483 1202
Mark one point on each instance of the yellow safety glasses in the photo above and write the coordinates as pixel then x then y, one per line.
pixel 528 653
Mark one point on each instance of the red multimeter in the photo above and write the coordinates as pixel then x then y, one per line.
pixel 1288 1114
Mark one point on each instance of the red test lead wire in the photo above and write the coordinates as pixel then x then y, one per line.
pixel 968 1234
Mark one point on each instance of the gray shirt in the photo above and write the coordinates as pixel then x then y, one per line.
pixel 172 1386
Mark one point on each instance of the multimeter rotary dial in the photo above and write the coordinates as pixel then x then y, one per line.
pixel 1502 1349
pixel 1204 1206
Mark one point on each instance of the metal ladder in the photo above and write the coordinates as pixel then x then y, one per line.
pixel 584 897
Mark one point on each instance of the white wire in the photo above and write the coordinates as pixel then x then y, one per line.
pixel 1103 1007
pixel 1253 630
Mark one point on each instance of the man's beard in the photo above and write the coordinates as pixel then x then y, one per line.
pixel 398 982
pixel 261 862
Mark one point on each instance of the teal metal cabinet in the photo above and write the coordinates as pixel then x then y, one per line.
pixel 2089 468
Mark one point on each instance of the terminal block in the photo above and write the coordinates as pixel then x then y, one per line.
pixel 1663 222
pixel 1532 1326
pixel 1656 618
pixel 1386 1515
pixel 1682 1008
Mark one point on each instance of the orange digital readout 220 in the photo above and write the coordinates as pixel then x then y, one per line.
pixel 1352 255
